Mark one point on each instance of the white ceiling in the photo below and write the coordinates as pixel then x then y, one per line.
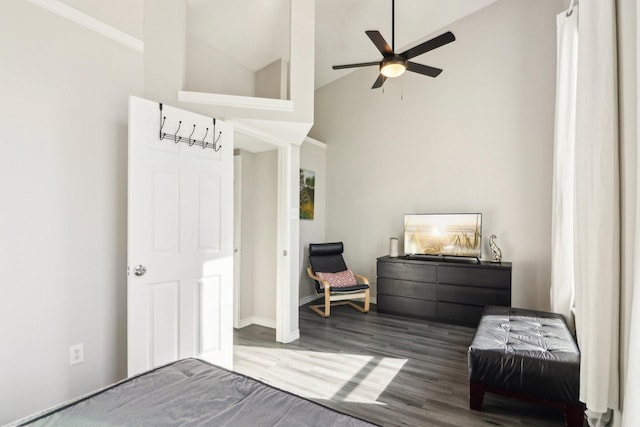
pixel 255 33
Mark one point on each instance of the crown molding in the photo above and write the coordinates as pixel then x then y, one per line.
pixel 91 23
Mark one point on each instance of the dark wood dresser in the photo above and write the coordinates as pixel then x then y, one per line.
pixel 445 291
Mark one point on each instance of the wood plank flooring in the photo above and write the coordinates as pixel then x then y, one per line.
pixel 388 370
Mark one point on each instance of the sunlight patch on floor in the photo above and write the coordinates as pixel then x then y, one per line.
pixel 319 375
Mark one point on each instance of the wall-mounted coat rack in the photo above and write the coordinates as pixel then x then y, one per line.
pixel 177 138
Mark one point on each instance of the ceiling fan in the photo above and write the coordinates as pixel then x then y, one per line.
pixel 394 64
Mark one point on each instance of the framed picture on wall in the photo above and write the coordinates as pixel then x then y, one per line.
pixel 307 189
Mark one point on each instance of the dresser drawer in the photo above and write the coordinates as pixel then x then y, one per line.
pixel 407 288
pixel 408 271
pixel 459 313
pixel 412 307
pixel 474 276
pixel 473 295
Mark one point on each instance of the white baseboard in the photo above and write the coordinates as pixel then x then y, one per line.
pixel 292 337
pixel 270 323
pixel 254 320
pixel 267 323
pixel 307 299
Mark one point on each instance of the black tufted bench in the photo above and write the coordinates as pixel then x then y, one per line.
pixel 526 354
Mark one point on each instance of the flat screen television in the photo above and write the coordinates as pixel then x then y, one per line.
pixel 451 234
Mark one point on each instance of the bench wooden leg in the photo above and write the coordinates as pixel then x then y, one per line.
pixel 573 415
pixel 476 396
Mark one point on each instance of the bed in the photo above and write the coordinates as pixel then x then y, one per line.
pixel 191 392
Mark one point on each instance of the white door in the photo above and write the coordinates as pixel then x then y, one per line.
pixel 180 238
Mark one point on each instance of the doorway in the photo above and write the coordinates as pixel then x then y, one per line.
pixel 255 237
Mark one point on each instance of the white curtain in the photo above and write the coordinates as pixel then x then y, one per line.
pixel 597 214
pixel 631 411
pixel 562 272
pixel 586 199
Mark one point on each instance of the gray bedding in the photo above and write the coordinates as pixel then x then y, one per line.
pixel 191 392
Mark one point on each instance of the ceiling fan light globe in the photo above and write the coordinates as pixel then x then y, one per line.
pixel 393 68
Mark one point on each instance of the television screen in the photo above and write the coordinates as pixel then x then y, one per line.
pixel 457 234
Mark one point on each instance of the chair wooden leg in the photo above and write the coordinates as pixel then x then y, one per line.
pixel 327 303
pixel 324 310
pixel 317 310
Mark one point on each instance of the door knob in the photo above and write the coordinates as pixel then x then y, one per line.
pixel 139 270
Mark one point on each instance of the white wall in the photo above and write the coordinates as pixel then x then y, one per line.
pixel 478 138
pixel 313 156
pixel 165 23
pixel 259 225
pixel 272 80
pixel 209 70
pixel 63 186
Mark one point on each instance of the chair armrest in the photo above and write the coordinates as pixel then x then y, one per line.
pixel 325 283
pixel 365 281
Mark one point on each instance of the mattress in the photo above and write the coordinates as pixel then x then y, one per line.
pixel 191 392
pixel 525 351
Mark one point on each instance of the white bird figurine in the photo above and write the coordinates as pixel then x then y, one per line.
pixel 496 253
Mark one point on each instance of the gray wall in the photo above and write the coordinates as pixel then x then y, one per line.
pixel 271 81
pixel 208 70
pixel 312 157
pixel 63 192
pixel 259 226
pixel 479 138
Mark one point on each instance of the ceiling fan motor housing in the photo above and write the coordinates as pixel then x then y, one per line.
pixel 393 66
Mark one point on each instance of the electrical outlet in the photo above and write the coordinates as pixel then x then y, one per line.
pixel 76 354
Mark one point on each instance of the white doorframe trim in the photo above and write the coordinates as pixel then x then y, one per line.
pixel 237 246
pixel 288 233
pixel 287 290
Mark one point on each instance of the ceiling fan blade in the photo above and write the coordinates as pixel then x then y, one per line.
pixel 361 64
pixel 379 82
pixel 434 43
pixel 380 42
pixel 423 69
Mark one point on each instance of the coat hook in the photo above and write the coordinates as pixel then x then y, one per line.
pixel 175 135
pixel 204 143
pixel 194 141
pixel 215 140
pixel 162 135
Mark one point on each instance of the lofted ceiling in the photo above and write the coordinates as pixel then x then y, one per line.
pixel 255 33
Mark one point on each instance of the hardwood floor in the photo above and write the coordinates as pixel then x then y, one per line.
pixel 385 369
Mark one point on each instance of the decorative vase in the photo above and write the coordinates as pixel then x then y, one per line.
pixel 393 247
